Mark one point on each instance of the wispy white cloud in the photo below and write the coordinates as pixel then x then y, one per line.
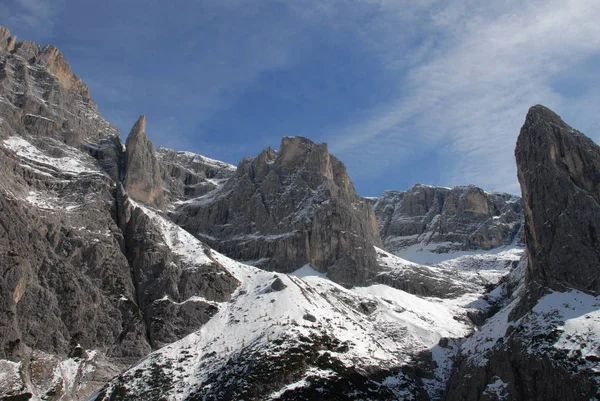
pixel 31 15
pixel 473 86
pixel 462 73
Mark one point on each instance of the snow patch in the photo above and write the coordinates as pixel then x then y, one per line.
pixel 74 163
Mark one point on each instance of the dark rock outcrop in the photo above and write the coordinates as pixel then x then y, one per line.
pixel 559 172
pixel 514 372
pixel 142 178
pixel 187 175
pixel 461 218
pixel 87 279
pixel 175 297
pixel 64 282
pixel 531 352
pixel 282 210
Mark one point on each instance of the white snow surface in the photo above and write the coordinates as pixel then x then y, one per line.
pixel 426 254
pixel 191 251
pixel 398 326
pixel 70 375
pixel 73 163
pixel 574 314
pixel 497 389
pixel 573 317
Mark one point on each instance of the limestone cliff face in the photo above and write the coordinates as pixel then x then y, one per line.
pixel 142 180
pixel 54 62
pixel 286 208
pixel 81 266
pixel 528 351
pixel 559 172
pixel 41 97
pixel 188 175
pixel 7 42
pixel 444 219
pixel 175 296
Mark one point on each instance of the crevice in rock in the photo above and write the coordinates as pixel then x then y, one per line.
pixel 122 217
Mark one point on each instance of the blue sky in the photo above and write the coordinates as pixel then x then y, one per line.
pixel 431 91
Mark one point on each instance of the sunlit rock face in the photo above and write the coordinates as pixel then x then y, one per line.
pixel 284 209
pixel 142 180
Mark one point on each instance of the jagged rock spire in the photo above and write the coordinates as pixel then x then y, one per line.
pixel 142 172
pixel 559 173
pixel 7 42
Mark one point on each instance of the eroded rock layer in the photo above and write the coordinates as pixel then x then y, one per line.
pixel 445 220
pixel 284 209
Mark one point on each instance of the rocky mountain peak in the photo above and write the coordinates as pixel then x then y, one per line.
pixel 54 62
pixel 138 131
pixel 559 172
pixel 143 180
pixel 7 42
pixel 284 209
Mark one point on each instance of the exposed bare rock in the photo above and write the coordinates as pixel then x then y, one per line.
pixel 7 42
pixel 63 273
pixel 176 297
pixel 142 178
pixel 53 62
pixel 444 219
pixel 543 345
pixel 559 172
pixel 278 285
pixel 187 175
pixel 40 96
pixel 83 292
pixel 285 209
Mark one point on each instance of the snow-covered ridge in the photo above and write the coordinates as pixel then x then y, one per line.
pixel 380 327
pixel 197 158
pixel 191 251
pixel 72 163
pixel 567 322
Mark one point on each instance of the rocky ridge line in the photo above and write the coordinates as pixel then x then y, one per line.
pixel 447 220
pixel 284 209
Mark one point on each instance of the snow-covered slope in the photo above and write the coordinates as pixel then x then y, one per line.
pixel 303 334
pixel 458 273
pixel 559 340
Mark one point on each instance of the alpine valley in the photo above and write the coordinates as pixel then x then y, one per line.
pixel 134 273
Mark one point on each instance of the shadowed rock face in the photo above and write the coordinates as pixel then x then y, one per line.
pixel 187 175
pixel 559 173
pixel 444 219
pixel 143 180
pixel 167 288
pixel 285 209
pixel 532 359
pixel 81 267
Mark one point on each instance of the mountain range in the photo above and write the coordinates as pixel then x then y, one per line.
pixel 129 272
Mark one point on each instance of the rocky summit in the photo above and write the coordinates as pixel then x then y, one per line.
pixel 559 172
pixel 134 273
pixel 544 344
pixel 285 209
pixel 142 176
